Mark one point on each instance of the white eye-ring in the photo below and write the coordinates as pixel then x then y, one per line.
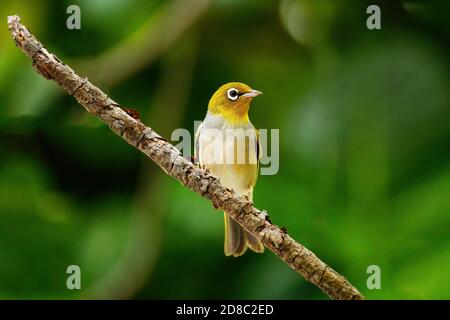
pixel 233 94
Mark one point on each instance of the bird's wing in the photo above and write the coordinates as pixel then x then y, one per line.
pixel 257 150
pixel 197 143
pixel 258 146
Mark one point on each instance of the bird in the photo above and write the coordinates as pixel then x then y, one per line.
pixel 227 145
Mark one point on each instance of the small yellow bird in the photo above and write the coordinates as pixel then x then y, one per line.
pixel 227 143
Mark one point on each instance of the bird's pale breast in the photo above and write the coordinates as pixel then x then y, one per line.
pixel 230 152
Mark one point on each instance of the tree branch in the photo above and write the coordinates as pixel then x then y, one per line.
pixel 172 162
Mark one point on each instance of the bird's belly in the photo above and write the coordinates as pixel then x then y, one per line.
pixel 231 156
pixel 240 177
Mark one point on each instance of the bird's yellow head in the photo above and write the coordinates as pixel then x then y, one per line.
pixel 232 101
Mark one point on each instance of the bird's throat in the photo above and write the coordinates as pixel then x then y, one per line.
pixel 236 114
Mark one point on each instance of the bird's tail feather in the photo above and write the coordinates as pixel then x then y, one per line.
pixel 237 239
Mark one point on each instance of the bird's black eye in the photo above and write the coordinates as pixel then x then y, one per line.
pixel 232 94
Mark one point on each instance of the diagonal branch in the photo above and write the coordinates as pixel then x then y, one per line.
pixel 165 155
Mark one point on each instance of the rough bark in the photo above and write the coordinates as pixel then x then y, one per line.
pixel 133 131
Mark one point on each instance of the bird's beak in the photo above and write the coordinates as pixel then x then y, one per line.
pixel 252 94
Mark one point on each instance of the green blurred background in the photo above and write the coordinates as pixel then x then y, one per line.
pixel 364 147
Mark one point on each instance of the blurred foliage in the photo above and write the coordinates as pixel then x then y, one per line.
pixel 364 151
